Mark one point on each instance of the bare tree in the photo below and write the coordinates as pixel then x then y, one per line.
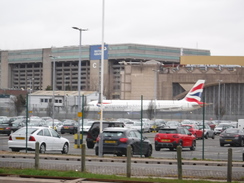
pixel 219 110
pixel 151 112
pixel 19 103
pixel 50 109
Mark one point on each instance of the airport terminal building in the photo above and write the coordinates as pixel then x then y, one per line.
pixel 130 71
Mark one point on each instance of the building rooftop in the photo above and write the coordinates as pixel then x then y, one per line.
pixel 62 93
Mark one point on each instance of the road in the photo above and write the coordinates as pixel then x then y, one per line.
pixel 210 151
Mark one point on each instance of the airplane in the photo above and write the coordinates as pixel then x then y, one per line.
pixel 190 102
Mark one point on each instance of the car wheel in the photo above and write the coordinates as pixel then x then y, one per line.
pixel 15 150
pixel 171 148
pixel 157 148
pixel 90 145
pixel 42 149
pixel 62 132
pixel 193 147
pixel 149 151
pixel 242 143
pixel 119 154
pixel 65 149
pixel 206 136
pixel 213 136
pixel 221 144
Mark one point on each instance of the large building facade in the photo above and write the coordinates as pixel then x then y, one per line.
pixel 33 69
pixel 130 71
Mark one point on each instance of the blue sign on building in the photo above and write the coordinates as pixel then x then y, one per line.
pixel 95 52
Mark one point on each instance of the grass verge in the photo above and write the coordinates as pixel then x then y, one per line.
pixel 75 174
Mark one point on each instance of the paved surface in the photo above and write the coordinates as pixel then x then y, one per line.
pixel 34 180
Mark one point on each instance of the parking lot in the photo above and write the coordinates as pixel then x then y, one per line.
pixel 205 149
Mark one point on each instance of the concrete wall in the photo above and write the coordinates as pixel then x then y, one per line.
pixel 5 77
pixel 47 69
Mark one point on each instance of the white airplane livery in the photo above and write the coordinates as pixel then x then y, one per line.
pixel 191 102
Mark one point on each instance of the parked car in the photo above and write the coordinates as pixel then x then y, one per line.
pixel 232 136
pixel 49 140
pixel 211 124
pixel 5 128
pixel 56 124
pixel 141 127
pixel 116 139
pixel 4 119
pixel 17 124
pixel 172 124
pixel 208 132
pixel 194 129
pixel 69 126
pixel 86 125
pixel 173 137
pixel 221 127
pixel 94 131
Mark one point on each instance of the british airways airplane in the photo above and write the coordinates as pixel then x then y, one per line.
pixel 191 102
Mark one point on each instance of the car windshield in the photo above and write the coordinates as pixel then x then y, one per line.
pixel 232 130
pixel 172 131
pixel 221 125
pixel 16 124
pixel 68 124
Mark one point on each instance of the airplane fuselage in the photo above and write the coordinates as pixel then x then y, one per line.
pixel 138 105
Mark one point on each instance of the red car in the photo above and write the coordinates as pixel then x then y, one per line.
pixel 195 130
pixel 173 137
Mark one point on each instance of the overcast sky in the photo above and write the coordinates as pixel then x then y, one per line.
pixel 215 25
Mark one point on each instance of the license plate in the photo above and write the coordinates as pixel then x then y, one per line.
pixel 66 127
pixel 20 138
pixel 1 128
pixel 165 140
pixel 110 141
pixel 228 140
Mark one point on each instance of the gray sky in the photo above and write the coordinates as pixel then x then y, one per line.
pixel 215 25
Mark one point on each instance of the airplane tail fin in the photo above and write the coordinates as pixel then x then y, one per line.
pixel 194 95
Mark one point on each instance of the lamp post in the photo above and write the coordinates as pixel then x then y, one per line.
pixel 219 100
pixel 155 95
pixel 53 99
pixel 79 75
pixel 100 145
pixel 30 91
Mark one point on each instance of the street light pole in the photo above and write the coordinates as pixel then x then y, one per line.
pixel 155 95
pixel 100 145
pixel 219 101
pixel 79 75
pixel 30 91
pixel 53 99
